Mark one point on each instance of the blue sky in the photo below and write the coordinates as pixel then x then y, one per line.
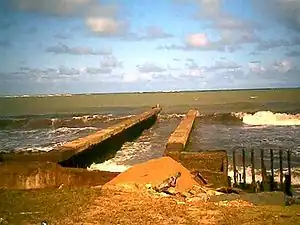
pixel 79 46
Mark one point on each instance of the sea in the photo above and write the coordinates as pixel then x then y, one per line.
pixel 228 120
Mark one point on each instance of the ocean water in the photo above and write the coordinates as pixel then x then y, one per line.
pixel 249 119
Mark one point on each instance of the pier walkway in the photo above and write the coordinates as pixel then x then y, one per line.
pixel 210 167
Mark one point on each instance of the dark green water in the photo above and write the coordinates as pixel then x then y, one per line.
pixel 282 100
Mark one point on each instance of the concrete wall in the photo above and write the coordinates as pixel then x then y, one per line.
pixel 18 175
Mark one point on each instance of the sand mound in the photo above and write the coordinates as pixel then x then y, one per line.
pixel 155 172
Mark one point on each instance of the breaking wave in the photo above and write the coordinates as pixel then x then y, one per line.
pixel 108 166
pixel 269 118
pixel 260 118
pixel 29 123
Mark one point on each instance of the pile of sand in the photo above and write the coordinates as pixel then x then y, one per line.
pixel 154 172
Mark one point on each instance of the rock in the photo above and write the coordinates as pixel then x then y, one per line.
pixel 180 202
pixel 229 190
pixel 167 183
pixel 213 193
pixel 171 191
pixel 185 194
pixel 192 192
pixel 199 198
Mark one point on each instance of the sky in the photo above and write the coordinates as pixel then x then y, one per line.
pixel 93 46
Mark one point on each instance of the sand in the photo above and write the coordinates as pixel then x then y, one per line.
pixel 154 172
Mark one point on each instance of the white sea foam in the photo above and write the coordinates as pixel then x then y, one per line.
pixel 35 149
pixel 269 118
pixel 72 129
pixel 131 153
pixel 109 166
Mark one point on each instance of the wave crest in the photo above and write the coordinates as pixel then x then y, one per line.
pixel 269 118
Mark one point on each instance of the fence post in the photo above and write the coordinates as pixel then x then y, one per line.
pixel 244 168
pixel 289 162
pixel 253 170
pixel 288 178
pixel 262 166
pixel 281 170
pixel 234 167
pixel 272 171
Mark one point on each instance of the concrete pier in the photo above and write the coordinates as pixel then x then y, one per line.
pixel 209 165
pixel 110 138
pixel 64 165
pixel 179 138
pixel 87 143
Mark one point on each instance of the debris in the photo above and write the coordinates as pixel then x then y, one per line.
pixel 29 213
pixel 228 190
pixel 185 194
pixel 199 198
pixel 180 202
pixel 200 178
pixel 235 203
pixel 167 183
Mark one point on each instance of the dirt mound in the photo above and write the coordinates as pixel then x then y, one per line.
pixel 154 172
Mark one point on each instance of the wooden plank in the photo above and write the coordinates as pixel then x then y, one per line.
pixel 179 138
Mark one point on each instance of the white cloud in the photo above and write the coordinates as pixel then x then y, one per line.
pixel 79 50
pixel 130 77
pixel 195 72
pixel 155 32
pixel 104 26
pixel 197 40
pixel 256 67
pixel 282 66
pixel 110 62
pixel 149 68
pixel 277 67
